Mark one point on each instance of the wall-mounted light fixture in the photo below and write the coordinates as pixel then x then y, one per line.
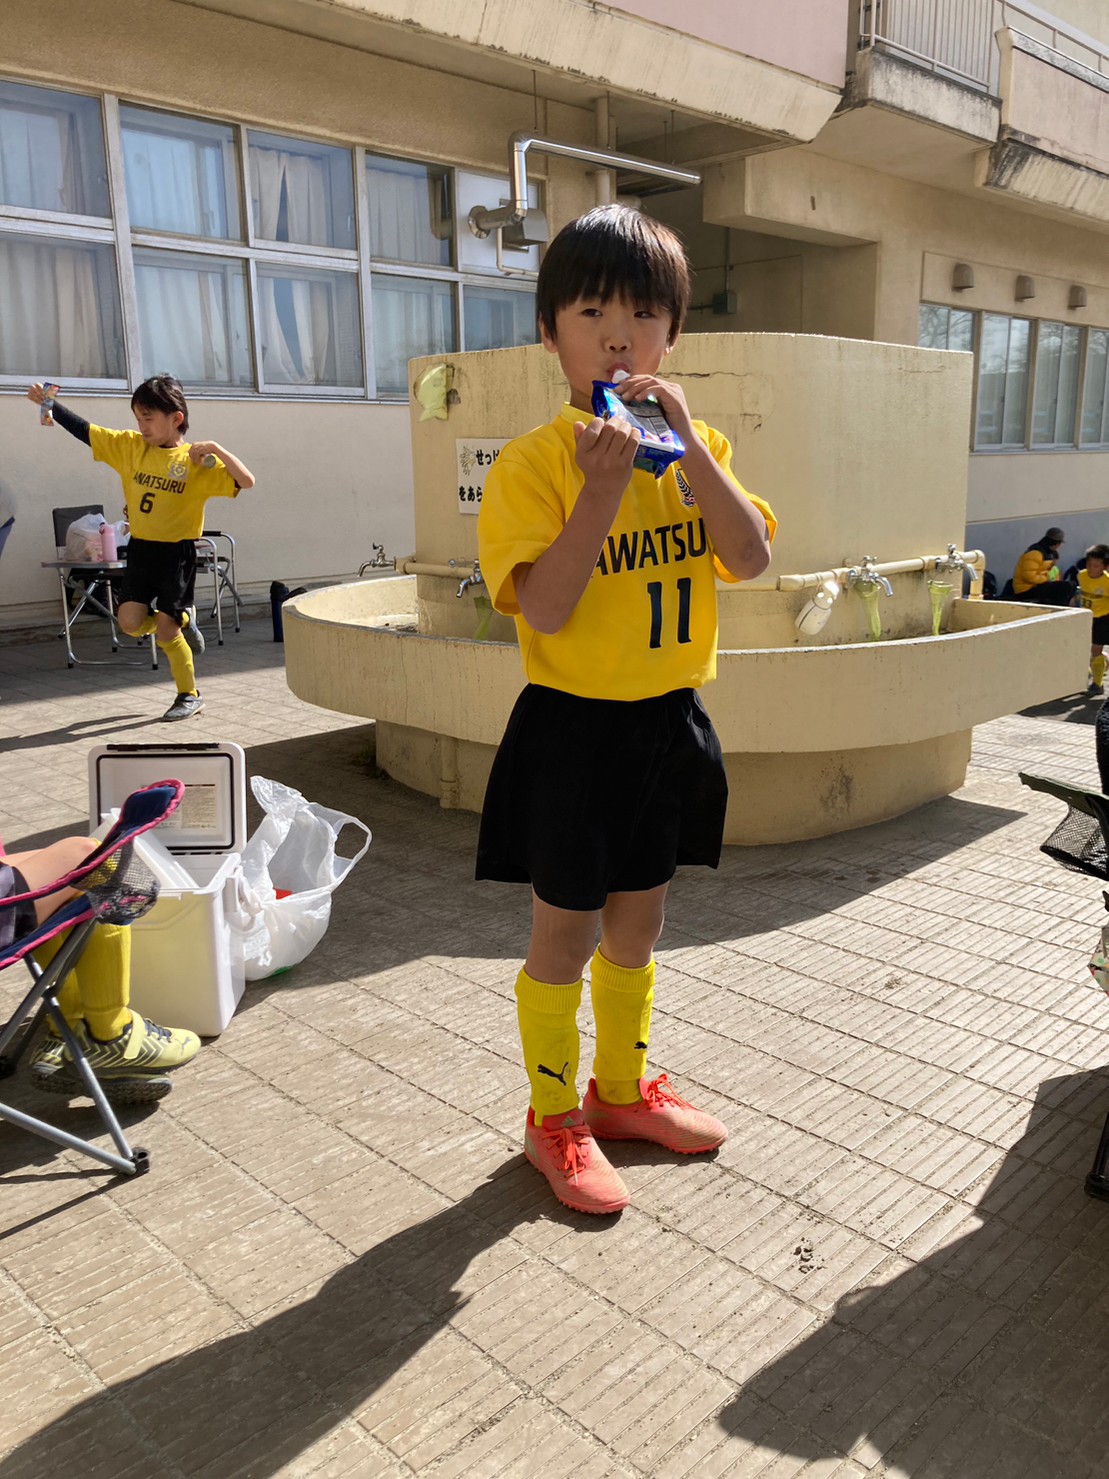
pixel 1026 288
pixel 1077 297
pixel 962 276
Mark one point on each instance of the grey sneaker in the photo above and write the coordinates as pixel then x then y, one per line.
pixel 184 706
pixel 192 633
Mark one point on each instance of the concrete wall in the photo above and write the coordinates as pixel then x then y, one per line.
pixel 806 36
pixel 916 234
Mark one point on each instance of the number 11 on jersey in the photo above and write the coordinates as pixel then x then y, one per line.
pixel 654 595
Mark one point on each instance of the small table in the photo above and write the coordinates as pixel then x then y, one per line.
pixel 97 596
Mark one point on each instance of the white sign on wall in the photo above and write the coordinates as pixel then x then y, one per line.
pixel 474 459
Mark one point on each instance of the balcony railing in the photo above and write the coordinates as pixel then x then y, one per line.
pixel 957 38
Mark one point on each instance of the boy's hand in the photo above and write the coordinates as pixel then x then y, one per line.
pixel 605 452
pixel 37 393
pixel 670 398
pixel 199 450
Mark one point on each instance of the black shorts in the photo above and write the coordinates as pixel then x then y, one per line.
pixel 16 920
pixel 159 572
pixel 1099 632
pixel 589 797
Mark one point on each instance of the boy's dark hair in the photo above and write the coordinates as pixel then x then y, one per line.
pixel 162 393
pixel 1098 552
pixel 610 252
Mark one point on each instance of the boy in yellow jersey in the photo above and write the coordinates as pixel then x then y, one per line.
pixel 609 775
pixel 1093 593
pixel 166 483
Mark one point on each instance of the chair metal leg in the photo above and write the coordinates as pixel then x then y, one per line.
pixel 1097 1182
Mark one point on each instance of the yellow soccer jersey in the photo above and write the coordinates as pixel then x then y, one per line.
pixel 1094 594
pixel 646 623
pixel 165 493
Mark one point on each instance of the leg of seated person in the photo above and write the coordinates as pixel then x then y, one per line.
pixel 47 864
pixel 99 989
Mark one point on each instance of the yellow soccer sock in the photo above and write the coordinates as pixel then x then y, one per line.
pixel 180 661
pixel 149 624
pixel 622 999
pixel 1097 668
pixel 548 1018
pixel 100 987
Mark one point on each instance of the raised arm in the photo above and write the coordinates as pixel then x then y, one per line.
pixel 548 590
pixel 76 425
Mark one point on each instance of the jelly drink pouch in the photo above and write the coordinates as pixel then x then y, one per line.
pixel 46 409
pixel 658 445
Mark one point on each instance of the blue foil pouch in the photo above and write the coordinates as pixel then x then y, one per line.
pixel 658 445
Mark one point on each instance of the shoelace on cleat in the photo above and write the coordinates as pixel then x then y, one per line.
pixel 659 1092
pixel 570 1149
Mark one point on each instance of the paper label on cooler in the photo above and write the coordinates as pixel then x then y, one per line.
pixel 199 810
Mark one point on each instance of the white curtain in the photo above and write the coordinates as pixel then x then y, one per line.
pixel 408 219
pixel 38 154
pixel 410 318
pixel 183 323
pixel 50 321
pixel 173 184
pixel 291 200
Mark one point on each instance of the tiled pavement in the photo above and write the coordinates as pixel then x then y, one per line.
pixel 340 1264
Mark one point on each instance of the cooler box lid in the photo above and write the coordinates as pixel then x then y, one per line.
pixel 212 815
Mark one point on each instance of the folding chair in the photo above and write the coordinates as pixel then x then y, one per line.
pixel 85 585
pixel 1081 842
pixel 221 568
pixel 114 887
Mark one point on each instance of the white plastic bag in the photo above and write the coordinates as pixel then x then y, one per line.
pixel 293 850
pixel 82 539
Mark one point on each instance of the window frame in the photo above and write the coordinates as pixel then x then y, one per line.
pixel 117 232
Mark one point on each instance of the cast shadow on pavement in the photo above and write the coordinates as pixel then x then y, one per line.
pixel 984 1357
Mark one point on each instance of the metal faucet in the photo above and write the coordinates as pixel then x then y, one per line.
pixel 380 561
pixel 475 579
pixel 950 564
pixel 864 574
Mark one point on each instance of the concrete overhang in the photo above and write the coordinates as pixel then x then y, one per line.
pixel 1030 177
pixel 579 51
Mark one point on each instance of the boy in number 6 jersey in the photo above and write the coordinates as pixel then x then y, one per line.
pixel 166 483
pixel 609 774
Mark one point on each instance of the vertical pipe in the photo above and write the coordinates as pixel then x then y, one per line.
pixel 604 182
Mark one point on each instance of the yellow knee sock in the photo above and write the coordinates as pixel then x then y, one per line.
pixel 1097 669
pixel 147 625
pixel 622 999
pixel 100 988
pixel 180 661
pixel 548 1018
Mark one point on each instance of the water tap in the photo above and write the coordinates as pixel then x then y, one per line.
pixel 475 579
pixel 950 564
pixel 865 575
pixel 380 561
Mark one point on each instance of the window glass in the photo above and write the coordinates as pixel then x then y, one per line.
pixel 182 174
pixel 193 318
pixel 410 211
pixel 1056 394
pixel 59 310
pixel 411 316
pixel 52 151
pixel 301 193
pixel 1002 381
pixel 311 327
pixel 1095 397
pixel 945 328
pixel 498 318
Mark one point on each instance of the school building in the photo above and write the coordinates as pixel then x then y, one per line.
pixel 282 201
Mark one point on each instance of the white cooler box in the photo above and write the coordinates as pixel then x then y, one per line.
pixel 186 959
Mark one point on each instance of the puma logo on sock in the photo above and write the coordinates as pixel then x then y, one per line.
pixel 552 1074
pixel 641 1047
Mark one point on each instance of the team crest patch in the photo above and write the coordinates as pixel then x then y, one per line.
pixel 684 489
pixel 178 469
